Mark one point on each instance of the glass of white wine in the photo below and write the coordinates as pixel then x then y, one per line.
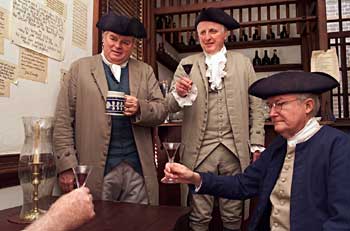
pixel 171 148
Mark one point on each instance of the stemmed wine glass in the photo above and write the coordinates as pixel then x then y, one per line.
pixel 171 149
pixel 81 174
pixel 164 87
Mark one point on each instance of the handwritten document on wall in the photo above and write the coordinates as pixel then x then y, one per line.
pixel 79 37
pixel 8 71
pixel 58 6
pixel 1 45
pixel 38 28
pixel 4 23
pixel 32 66
pixel 4 88
pixel 326 61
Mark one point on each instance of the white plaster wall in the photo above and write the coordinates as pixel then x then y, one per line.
pixel 30 98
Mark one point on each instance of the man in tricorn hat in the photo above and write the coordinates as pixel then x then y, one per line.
pixel 302 178
pixel 219 123
pixel 118 147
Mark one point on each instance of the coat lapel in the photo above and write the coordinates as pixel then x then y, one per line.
pixel 202 70
pixel 99 76
pixel 134 80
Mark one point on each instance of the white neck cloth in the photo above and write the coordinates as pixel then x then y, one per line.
pixel 115 68
pixel 311 127
pixel 216 64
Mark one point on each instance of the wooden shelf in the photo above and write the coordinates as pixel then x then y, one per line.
pixel 279 67
pixel 192 8
pixel 167 61
pixel 243 45
pixel 246 24
pixel 172 64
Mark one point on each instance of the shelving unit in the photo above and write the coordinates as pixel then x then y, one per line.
pixel 279 67
pixel 178 24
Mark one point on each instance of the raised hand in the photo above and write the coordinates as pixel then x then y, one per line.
pixel 183 86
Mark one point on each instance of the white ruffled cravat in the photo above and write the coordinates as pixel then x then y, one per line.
pixel 115 68
pixel 311 127
pixel 216 64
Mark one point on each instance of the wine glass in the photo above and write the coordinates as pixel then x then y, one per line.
pixel 171 149
pixel 81 174
pixel 164 87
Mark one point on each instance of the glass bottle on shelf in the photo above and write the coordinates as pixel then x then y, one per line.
pixel 257 59
pixel 265 60
pixel 275 59
pixel 231 38
pixel 191 41
pixel 167 26
pixel 161 47
pixel 256 35
pixel 167 22
pixel 284 33
pixel 244 36
pixel 270 35
pixel 175 35
pixel 182 41
pixel 159 22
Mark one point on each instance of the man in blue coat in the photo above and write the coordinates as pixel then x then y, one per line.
pixel 301 179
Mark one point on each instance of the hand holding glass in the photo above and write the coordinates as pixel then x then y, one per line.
pixel 171 149
pixel 81 174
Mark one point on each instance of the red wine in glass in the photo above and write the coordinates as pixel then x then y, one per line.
pixel 81 173
pixel 81 179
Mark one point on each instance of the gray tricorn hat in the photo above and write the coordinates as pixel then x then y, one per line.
pixel 122 25
pixel 290 82
pixel 217 15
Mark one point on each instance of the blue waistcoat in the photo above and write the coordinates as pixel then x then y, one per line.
pixel 122 145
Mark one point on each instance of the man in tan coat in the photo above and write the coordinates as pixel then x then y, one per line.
pixel 220 118
pixel 118 147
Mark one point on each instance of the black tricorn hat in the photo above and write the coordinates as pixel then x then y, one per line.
pixel 217 15
pixel 122 25
pixel 290 82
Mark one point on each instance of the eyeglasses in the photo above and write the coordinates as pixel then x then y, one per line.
pixel 278 106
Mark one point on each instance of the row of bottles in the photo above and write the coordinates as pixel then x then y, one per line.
pixel 256 36
pixel 266 60
pixel 230 39
pixel 167 22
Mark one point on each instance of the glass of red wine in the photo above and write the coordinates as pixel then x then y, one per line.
pixel 171 149
pixel 81 174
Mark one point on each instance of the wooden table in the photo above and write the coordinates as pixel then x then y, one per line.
pixel 122 216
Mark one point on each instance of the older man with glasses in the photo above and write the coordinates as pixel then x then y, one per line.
pixel 301 179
